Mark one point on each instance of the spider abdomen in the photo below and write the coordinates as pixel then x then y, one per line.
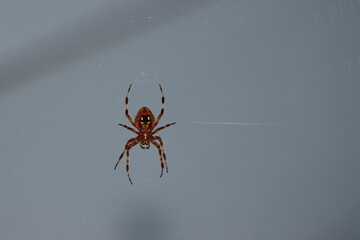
pixel 145 119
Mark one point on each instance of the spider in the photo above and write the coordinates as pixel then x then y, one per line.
pixel 144 123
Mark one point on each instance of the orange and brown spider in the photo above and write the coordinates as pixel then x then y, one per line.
pixel 145 123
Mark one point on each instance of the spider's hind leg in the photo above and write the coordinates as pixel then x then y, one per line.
pixel 162 107
pixel 127 108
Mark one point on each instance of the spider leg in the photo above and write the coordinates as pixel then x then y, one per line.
pixel 127 166
pixel 128 143
pixel 161 128
pixel 129 128
pixel 127 107
pixel 122 154
pixel 162 107
pixel 163 150
pixel 161 156
pixel 131 143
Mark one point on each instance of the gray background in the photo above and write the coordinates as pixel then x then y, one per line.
pixel 285 74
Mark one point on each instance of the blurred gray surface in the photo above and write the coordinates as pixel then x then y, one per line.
pixel 265 95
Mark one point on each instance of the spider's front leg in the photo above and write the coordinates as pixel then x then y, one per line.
pixel 162 150
pixel 131 143
pixel 161 156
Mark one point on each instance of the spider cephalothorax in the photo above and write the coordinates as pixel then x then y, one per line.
pixel 145 123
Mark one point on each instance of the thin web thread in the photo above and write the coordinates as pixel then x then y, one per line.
pixel 240 123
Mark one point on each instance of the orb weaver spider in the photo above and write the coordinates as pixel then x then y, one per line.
pixel 144 123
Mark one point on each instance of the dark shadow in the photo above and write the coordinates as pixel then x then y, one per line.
pixel 345 226
pixel 108 26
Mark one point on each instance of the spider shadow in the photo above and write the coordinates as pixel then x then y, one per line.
pixel 145 220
